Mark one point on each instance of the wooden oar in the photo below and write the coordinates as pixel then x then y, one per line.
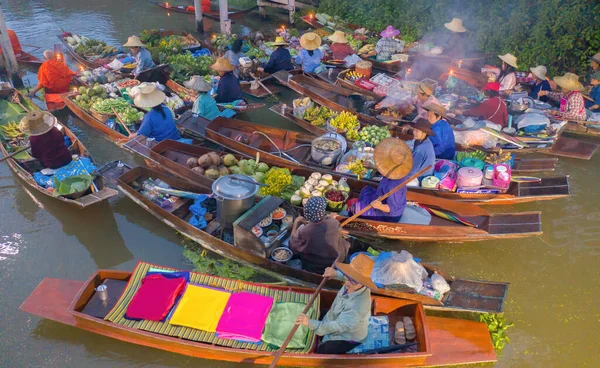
pixel 15 153
pixel 121 121
pixel 261 83
pixel 16 99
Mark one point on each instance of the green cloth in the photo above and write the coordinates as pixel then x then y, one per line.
pixel 280 322
pixel 72 184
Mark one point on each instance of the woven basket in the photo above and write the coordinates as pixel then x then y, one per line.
pixel 102 117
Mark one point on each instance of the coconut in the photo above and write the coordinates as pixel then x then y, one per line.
pixel 297 192
pixel 316 193
pixel 191 162
pixel 259 176
pixel 204 161
pixel 212 173
pixel 215 159
pixel 324 182
pixel 198 170
pixel 308 186
pixel 229 160
pixel 223 171
pixel 304 192
pixel 327 177
pixel 334 183
pixel 262 167
pixel 312 181
pixel 304 202
pixel 316 175
pixel 320 188
pixel 235 170
pixel 296 200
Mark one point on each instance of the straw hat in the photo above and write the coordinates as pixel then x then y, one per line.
pixel 222 65
pixel 569 82
pixel 279 41
pixel 148 96
pixel 389 31
pixel 134 41
pixel 539 71
pixel 426 89
pixel 393 158
pixel 338 37
pixel 438 109
pixel 595 58
pixel 455 26
pixel 310 41
pixel 424 125
pixel 510 59
pixel 359 270
pixel 37 123
pixel 197 83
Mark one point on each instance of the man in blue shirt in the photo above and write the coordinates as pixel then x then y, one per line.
pixel 594 93
pixel 143 58
pixel 280 58
pixel 423 152
pixel 443 140
pixel 229 89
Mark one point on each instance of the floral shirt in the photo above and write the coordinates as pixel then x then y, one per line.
pixel 572 105
pixel 386 47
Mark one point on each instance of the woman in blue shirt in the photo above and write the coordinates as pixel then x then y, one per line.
pixel 158 122
pixel 205 105
pixel 310 56
pixel 143 58
pixel 443 140
pixel 541 83
pixel 229 89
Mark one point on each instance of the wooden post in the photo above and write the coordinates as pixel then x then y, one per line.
pixel 10 60
pixel 292 10
pixel 198 10
pixel 224 18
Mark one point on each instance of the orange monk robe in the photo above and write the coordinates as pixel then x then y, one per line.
pixel 14 41
pixel 54 76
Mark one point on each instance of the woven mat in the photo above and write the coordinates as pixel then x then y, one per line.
pixel 117 314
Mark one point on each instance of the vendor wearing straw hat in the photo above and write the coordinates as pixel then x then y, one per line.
pixel 393 160
pixel 339 46
pixel 572 105
pixel 594 66
pixel 205 105
pixel 457 43
pixel 541 83
pixel 493 109
pixel 310 56
pixel 280 59
pixel 424 96
pixel 347 321
pixel 229 89
pixel 422 152
pixel 507 77
pixel 388 45
pixel 158 123
pixel 443 141
pixel 142 56
pixel 47 142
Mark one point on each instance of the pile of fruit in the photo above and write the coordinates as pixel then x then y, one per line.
pixel 98 75
pixel 366 49
pixel 357 168
pixel 374 134
pixel 89 47
pixel 335 195
pixel 222 40
pixel 11 130
pixel 498 158
pixel 318 115
pixel 348 122
pixel 315 186
pixel 353 76
pixel 88 96
pixel 211 165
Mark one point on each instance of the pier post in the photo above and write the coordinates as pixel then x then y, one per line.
pixel 10 60
pixel 224 18
pixel 198 10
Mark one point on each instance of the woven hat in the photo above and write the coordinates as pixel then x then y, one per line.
pixel 595 58
pixel 222 65
pixel 134 41
pixel 393 158
pixel 424 125
pixel 389 31
pixel 438 109
pixel 359 270
pixel 197 83
pixel 539 71
pixel 510 59
pixel 37 123
pixel 148 96
pixel 426 89
pixel 310 41
pixel 338 37
pixel 455 26
pixel 491 86
pixel 279 41
pixel 569 82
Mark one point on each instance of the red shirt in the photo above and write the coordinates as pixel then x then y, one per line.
pixel 494 110
pixel 50 149
pixel 341 50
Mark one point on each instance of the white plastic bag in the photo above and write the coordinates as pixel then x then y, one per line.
pixel 439 284
pixel 532 119
pixel 394 269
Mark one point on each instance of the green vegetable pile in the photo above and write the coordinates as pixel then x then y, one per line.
pixel 88 96
pixel 374 134
pixel 186 65
pixel 497 327
pixel 461 155
pixel 106 106
pixel 277 179
pixel 222 41
pixel 94 47
pixel 130 115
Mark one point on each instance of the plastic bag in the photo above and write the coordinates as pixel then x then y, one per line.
pixel 439 284
pixel 393 268
pixel 532 119
pixel 72 184
pixel 470 138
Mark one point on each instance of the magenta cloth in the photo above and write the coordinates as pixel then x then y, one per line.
pixel 155 298
pixel 244 317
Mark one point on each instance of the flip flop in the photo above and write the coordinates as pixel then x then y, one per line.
pixel 411 334
pixel 399 334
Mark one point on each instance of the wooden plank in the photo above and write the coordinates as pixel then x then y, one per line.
pixel 51 299
pixel 573 148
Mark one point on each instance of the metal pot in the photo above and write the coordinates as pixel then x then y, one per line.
pixel 448 101
pixel 234 197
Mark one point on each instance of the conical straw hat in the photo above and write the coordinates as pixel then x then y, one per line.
pixel 338 37
pixel 455 25
pixel 310 41
pixel 222 65
pixel 393 158
pixel 149 96
pixel 359 270
pixel 134 41
pixel 198 83
pixel 37 123
pixel 539 71
pixel 569 82
pixel 510 59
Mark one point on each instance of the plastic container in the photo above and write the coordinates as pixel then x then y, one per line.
pixel 335 206
pixel 469 177
pixel 364 67
pixel 502 175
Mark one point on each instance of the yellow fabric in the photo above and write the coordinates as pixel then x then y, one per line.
pixel 200 308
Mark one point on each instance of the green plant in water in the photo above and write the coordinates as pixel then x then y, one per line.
pixel 207 263
pixel 497 326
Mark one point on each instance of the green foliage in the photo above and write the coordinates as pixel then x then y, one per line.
pixel 497 327
pixel 183 66
pixel 556 33
pixel 222 267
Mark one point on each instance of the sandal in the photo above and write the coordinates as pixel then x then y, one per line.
pixel 411 334
pixel 399 334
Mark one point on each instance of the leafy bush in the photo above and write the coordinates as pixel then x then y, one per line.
pixel 556 33
pixel 210 264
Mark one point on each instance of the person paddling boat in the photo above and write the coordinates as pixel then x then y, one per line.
pixel 229 89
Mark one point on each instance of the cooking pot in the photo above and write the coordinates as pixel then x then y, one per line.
pixel 448 101
pixel 234 197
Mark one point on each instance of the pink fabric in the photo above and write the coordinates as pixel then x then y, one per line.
pixel 244 317
pixel 155 298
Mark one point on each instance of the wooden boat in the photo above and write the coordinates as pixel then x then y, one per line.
pixel 260 92
pixel 29 60
pixel 23 165
pixel 441 341
pixel 343 82
pixel 214 15
pixel 82 59
pixel 392 66
pixel 582 129
pixel 471 295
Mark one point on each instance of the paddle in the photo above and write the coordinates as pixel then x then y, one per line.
pixel 261 83
pixel 16 99
pixel 15 153
pixel 121 121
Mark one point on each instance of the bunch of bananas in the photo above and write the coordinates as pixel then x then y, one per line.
pixel 357 168
pixel 498 158
pixel 478 154
pixel 366 49
pixel 11 130
pixel 346 121
pixel 318 115
pixel 353 76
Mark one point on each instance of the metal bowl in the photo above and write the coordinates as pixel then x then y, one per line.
pixel 289 254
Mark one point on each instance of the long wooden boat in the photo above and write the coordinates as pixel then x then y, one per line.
pixel 29 60
pixel 469 295
pixel 23 168
pixel 260 92
pixel 214 15
pixel 585 130
pixel 82 59
pixel 441 341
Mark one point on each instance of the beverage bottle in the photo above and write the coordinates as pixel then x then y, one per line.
pixel 161 184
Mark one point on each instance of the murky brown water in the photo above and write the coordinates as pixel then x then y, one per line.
pixel 552 299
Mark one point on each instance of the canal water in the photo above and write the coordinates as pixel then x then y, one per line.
pixel 552 300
